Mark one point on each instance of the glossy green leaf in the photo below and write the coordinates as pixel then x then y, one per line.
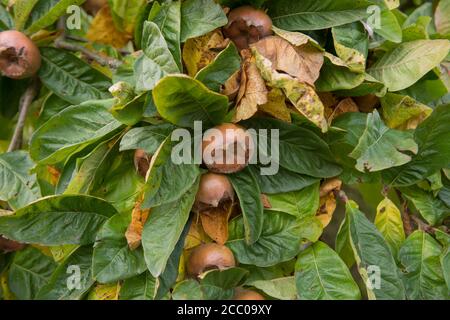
pixel 187 290
pixel 163 229
pixel 23 9
pixel 148 138
pixel 402 67
pixel 71 78
pixel 320 274
pixel 71 131
pixel 423 278
pixel 30 270
pixel 56 220
pixel 198 17
pixel 351 42
pixel 141 287
pixel 18 186
pixel 113 260
pixel 278 288
pixel 182 100
pixel 71 279
pixel 312 15
pixel 249 194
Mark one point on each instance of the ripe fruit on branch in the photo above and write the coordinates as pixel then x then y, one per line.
pixel 244 294
pixel 208 257
pixel 247 25
pixel 227 148
pixel 215 189
pixel 19 56
pixel 7 245
pixel 142 162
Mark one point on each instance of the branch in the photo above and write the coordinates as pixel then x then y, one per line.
pixel 406 215
pixel 102 60
pixel 423 226
pixel 25 102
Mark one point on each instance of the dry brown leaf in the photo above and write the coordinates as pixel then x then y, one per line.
pixel 344 106
pixel 265 201
pixel 54 174
pixel 367 103
pixel 102 30
pixel 134 230
pixel 252 93
pixel 327 206
pixel 330 185
pixel 201 51
pixel 215 222
pixel 276 105
pixel 232 85
pixel 303 63
pixel 196 235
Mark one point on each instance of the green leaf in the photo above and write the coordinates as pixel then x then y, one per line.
pixel 6 20
pixel 433 138
pixel 442 17
pixel 389 222
pixel 183 100
pixel 142 287
pixel 113 260
pixel 51 106
pixel 351 42
pixel 279 288
pixel 389 28
pixel 163 229
pixel 18 186
pixel 249 194
pixel 283 181
pixel 167 17
pixel 157 60
pixel 382 148
pixel 423 278
pixel 187 290
pixel 399 110
pixel 30 270
pixel 148 138
pixel 313 15
pixel 300 150
pixel 372 254
pixel 160 187
pixel 46 12
pixel 302 204
pixel 76 271
pixel 72 130
pixel 279 240
pixel 221 69
pixel 320 274
pixel 444 239
pixel 370 85
pixel 432 209
pixel 224 279
pixel 56 220
pixel 71 78
pixel 22 11
pixel 410 61
pixel 335 77
pixel 198 17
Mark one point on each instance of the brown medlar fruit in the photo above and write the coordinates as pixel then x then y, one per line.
pixel 208 257
pixel 247 25
pixel 142 162
pixel 93 6
pixel 227 148
pixel 7 245
pixel 244 294
pixel 214 190
pixel 19 56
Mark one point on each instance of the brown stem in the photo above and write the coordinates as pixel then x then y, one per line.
pixel 422 225
pixel 25 102
pixel 406 215
pixel 104 61
pixel 341 195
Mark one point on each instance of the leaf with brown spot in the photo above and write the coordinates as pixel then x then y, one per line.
pixel 252 93
pixel 103 30
pixel 54 174
pixel 330 185
pixel 134 231
pixel 276 105
pixel 201 51
pixel 105 292
pixel 327 206
pixel 297 39
pixel 265 201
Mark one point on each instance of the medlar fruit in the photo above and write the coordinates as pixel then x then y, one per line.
pixel 247 25
pixel 7 245
pixel 208 257
pixel 19 56
pixel 214 189
pixel 227 148
pixel 142 162
pixel 244 294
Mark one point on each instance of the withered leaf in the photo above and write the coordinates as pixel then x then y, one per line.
pixel 276 105
pixel 327 206
pixel 344 106
pixel 215 222
pixel 134 231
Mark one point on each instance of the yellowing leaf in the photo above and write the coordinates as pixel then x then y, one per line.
pixel 327 206
pixel 295 38
pixel 389 221
pixel 201 51
pixel 103 30
pixel 105 292
pixel 134 231
pixel 276 105
pixel 195 236
pixel 344 106
pixel 215 223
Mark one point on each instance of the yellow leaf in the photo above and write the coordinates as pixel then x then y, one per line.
pixel 389 222
pixel 134 231
pixel 215 222
pixel 196 236
pixel 102 30
pixel 276 105
pixel 7 294
pixel 105 292
pixel 327 206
